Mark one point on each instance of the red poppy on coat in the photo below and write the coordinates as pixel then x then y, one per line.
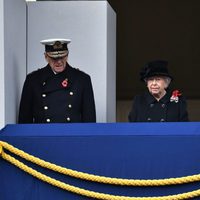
pixel 175 95
pixel 65 83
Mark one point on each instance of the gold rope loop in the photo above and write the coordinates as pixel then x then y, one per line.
pixel 1 149
pixel 100 179
pixel 88 193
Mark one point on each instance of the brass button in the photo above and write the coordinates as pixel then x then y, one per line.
pixel 68 119
pixel 48 120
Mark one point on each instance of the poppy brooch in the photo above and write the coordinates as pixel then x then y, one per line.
pixel 65 83
pixel 175 96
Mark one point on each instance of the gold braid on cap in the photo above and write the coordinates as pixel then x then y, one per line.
pixel 56 54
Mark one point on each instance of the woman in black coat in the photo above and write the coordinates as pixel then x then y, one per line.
pixel 159 103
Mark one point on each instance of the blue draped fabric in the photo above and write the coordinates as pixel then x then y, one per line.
pixel 124 150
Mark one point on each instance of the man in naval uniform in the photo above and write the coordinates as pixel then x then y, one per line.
pixel 57 93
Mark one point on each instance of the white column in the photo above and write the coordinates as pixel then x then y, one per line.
pixel 2 89
pixel 13 57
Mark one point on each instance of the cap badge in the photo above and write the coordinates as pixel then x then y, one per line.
pixel 57 45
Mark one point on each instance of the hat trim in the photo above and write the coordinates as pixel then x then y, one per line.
pixel 158 74
pixel 52 41
pixel 57 54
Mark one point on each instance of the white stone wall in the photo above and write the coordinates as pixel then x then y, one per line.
pixel 13 57
pixel 2 99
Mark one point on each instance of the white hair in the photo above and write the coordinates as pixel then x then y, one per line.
pixel 168 81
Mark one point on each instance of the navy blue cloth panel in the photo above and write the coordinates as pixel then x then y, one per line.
pixel 123 150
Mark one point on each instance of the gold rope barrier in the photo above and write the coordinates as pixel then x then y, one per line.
pixel 96 178
pixel 81 191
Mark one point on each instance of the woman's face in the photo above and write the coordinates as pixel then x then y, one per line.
pixel 157 85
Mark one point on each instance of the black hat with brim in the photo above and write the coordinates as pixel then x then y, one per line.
pixel 155 68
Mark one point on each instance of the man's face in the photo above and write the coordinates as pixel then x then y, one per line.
pixel 57 64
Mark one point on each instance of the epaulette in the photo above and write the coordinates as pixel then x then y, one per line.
pixel 78 69
pixel 34 71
